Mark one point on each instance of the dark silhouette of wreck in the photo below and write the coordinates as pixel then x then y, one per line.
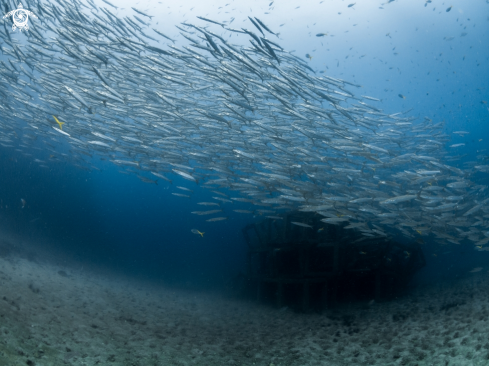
pixel 314 267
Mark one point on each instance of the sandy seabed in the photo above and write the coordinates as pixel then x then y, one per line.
pixel 54 314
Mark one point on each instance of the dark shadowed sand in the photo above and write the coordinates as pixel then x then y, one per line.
pixel 53 312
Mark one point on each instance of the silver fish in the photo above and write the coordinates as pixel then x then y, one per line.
pixel 217 219
pixel 256 121
pixel 301 224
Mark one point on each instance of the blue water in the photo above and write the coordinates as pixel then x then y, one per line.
pixel 117 220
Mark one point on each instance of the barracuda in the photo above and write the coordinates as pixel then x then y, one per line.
pixel 255 121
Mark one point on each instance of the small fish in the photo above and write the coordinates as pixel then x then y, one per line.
pixel 461 133
pixel 105 1
pixel 180 195
pixel 256 25
pixel 351 5
pixel 22 201
pixel 98 143
pixel 217 219
pixel 59 123
pixel 274 217
pixel 321 229
pixel 147 180
pixel 458 185
pixel 142 13
pixel 370 98
pixel 195 231
pixel 309 56
pixel 63 133
pixel 265 27
pixel 321 35
pixel 398 199
pixel 222 199
pixel 78 97
pixel 476 269
pixel 185 189
pixel 301 224
pixel 185 175
pixel 163 35
pixel 208 203
pixel 211 21
pixel 161 176
pixel 206 212
pixel 334 220
pixel 449 8
pixel 402 96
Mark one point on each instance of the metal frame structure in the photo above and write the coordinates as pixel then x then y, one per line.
pixel 311 262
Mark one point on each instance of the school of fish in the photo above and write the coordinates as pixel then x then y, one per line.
pixel 254 123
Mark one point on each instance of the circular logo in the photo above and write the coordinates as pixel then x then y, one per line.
pixel 20 18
